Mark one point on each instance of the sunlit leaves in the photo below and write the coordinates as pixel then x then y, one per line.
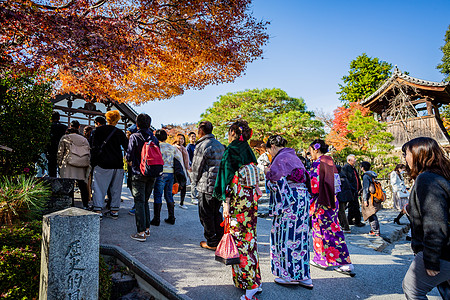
pixel 131 51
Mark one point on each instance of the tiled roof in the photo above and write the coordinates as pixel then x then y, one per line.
pixel 398 74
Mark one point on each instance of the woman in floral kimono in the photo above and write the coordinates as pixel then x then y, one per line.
pixel 289 206
pixel 237 185
pixel 330 249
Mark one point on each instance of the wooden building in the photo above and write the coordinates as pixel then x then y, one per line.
pixel 72 107
pixel 410 107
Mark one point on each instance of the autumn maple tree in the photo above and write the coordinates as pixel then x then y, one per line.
pixel 130 51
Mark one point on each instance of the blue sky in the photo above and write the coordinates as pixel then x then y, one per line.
pixel 312 44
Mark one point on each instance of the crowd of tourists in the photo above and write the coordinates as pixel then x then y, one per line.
pixel 309 196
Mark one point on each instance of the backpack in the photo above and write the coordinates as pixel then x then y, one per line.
pixel 78 155
pixel 376 191
pixel 151 160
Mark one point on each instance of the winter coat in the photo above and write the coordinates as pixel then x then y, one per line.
pixel 111 156
pixel 66 170
pixel 205 164
pixel 346 194
pixel 429 210
pixel 374 206
pixel 353 179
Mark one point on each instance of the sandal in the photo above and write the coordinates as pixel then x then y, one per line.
pixel 285 282
pixel 345 272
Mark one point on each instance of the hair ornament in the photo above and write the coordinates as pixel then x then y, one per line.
pixel 241 138
pixel 251 133
pixel 316 146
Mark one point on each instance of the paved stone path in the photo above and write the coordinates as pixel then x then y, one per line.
pixel 173 252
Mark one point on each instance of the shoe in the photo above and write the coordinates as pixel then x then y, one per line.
pixel 314 264
pixel 182 206
pixel 244 297
pixel 147 233
pixel 348 272
pixel 157 212
pixel 132 212
pixel 85 208
pixel 361 224
pixel 112 215
pixel 138 237
pixel 408 238
pixel 259 288
pixel 374 233
pixel 194 201
pixel 100 214
pixel 171 210
pixel 346 231
pixel 285 282
pixel 203 244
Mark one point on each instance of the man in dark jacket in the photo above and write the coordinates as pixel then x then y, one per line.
pixel 107 161
pixel 141 186
pixel 205 166
pixel 354 214
pixel 57 130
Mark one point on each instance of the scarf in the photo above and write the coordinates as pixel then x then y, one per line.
pixel 326 182
pixel 283 164
pixel 237 154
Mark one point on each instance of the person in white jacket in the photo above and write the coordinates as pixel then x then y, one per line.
pixel 400 193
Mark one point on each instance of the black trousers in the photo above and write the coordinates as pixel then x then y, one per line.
pixel 354 213
pixel 52 165
pixel 84 192
pixel 210 218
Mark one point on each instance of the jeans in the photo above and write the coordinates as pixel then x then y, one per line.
pixel 141 189
pixel 210 217
pixel 164 184
pixel 374 224
pixel 417 283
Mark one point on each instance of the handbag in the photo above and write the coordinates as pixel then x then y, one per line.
pixel 227 251
pixel 175 188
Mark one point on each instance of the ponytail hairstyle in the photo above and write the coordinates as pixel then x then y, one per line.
pixel 242 130
pixel 320 145
pixel 276 140
pixel 427 155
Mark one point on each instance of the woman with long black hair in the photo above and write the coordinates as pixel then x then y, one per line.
pixel 429 206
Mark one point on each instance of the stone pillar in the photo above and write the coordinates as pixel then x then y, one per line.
pixel 62 193
pixel 70 255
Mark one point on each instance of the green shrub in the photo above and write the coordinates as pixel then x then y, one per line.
pixel 20 263
pixel 20 260
pixel 22 198
pixel 25 113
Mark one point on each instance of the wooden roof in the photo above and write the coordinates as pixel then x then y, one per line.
pixel 437 92
pixel 123 108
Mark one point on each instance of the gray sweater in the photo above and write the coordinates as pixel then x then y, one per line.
pixel 429 210
pixel 205 164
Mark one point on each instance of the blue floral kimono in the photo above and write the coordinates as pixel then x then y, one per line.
pixel 289 247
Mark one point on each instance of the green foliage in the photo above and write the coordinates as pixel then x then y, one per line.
pixel 445 65
pixel 368 134
pixel 20 263
pixel 268 111
pixel 20 260
pixel 370 142
pixel 22 198
pixel 366 75
pixel 105 282
pixel 25 112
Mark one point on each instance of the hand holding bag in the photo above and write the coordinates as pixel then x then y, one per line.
pixel 227 251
